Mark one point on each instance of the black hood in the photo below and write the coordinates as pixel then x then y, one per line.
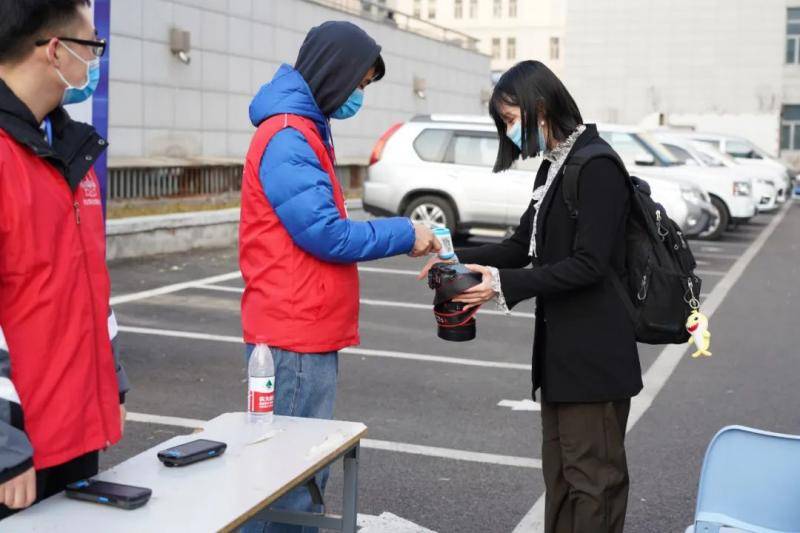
pixel 334 59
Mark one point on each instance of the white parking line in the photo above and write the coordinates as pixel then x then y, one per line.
pixel 372 444
pixel 379 303
pixel 710 272
pixel 167 289
pixel 175 421
pixel 716 255
pixel 350 351
pixel 449 453
pixel 378 270
pixel 665 364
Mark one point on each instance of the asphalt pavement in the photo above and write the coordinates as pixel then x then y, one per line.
pixel 480 470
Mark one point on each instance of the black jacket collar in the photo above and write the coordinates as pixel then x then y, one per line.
pixel 76 146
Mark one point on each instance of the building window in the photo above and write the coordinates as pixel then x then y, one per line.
pixel 512 8
pixel 790 127
pixel 555 51
pixel 498 8
pixel 417 8
pixel 793 35
pixel 431 9
pixel 495 48
pixel 511 48
pixel 458 9
pixel 473 8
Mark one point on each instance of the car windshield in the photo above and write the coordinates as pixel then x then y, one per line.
pixel 664 156
pixel 745 149
pixel 708 152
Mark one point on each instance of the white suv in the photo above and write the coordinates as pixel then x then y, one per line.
pixel 696 153
pixel 749 154
pixel 731 196
pixel 438 169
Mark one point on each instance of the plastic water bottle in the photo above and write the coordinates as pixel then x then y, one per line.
pixel 261 385
pixel 448 252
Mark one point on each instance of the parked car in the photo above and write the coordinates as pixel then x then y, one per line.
pixel 437 169
pixel 696 153
pixel 748 153
pixel 733 199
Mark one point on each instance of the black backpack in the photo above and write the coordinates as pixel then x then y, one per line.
pixel 660 289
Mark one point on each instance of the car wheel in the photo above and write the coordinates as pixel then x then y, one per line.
pixel 433 211
pixel 715 231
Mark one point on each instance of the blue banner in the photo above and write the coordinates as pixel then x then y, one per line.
pixel 102 16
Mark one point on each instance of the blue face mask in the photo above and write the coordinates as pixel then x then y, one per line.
pixel 515 134
pixel 75 95
pixel 351 106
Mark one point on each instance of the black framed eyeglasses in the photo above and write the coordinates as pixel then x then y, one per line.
pixel 98 48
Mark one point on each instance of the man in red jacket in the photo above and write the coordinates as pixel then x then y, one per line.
pixel 61 391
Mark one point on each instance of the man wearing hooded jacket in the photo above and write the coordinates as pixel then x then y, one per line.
pixel 298 249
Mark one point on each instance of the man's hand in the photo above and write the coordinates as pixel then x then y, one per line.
pixel 479 294
pixel 425 242
pixel 122 414
pixel 19 492
pixel 423 274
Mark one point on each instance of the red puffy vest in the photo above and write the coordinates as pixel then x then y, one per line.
pixel 292 300
pixel 54 291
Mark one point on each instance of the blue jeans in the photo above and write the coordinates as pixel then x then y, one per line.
pixel 305 386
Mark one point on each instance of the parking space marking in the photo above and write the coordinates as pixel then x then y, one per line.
pixel 167 289
pixel 176 421
pixel 449 453
pixel 372 444
pixel 710 273
pixel 350 351
pixel 380 303
pixel 716 255
pixel 378 270
pixel 662 368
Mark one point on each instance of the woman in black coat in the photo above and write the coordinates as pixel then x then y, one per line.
pixel 585 359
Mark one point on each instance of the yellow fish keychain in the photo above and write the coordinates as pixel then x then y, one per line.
pixel 697 326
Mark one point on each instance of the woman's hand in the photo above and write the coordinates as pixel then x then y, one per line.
pixel 423 274
pixel 479 294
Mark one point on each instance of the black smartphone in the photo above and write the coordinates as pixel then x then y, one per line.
pixel 122 496
pixel 192 452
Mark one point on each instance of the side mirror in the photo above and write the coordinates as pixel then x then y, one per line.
pixel 645 160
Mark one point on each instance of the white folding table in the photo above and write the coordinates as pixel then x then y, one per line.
pixel 221 493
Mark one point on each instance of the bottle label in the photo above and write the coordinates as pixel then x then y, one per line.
pixel 446 240
pixel 261 395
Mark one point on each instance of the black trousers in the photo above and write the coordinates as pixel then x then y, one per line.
pixel 584 466
pixel 54 479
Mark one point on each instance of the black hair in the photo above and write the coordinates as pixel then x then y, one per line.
pixel 532 87
pixel 24 21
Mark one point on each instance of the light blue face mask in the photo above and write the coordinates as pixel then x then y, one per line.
pixel 75 95
pixel 351 106
pixel 515 136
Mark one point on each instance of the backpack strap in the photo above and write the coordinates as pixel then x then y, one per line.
pixel 569 189
pixel 573 167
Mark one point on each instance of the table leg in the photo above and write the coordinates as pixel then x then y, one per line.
pixel 350 500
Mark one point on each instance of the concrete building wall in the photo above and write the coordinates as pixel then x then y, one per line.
pixel 715 64
pixel 535 24
pixel 163 108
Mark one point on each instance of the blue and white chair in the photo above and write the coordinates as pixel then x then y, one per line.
pixel 750 482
